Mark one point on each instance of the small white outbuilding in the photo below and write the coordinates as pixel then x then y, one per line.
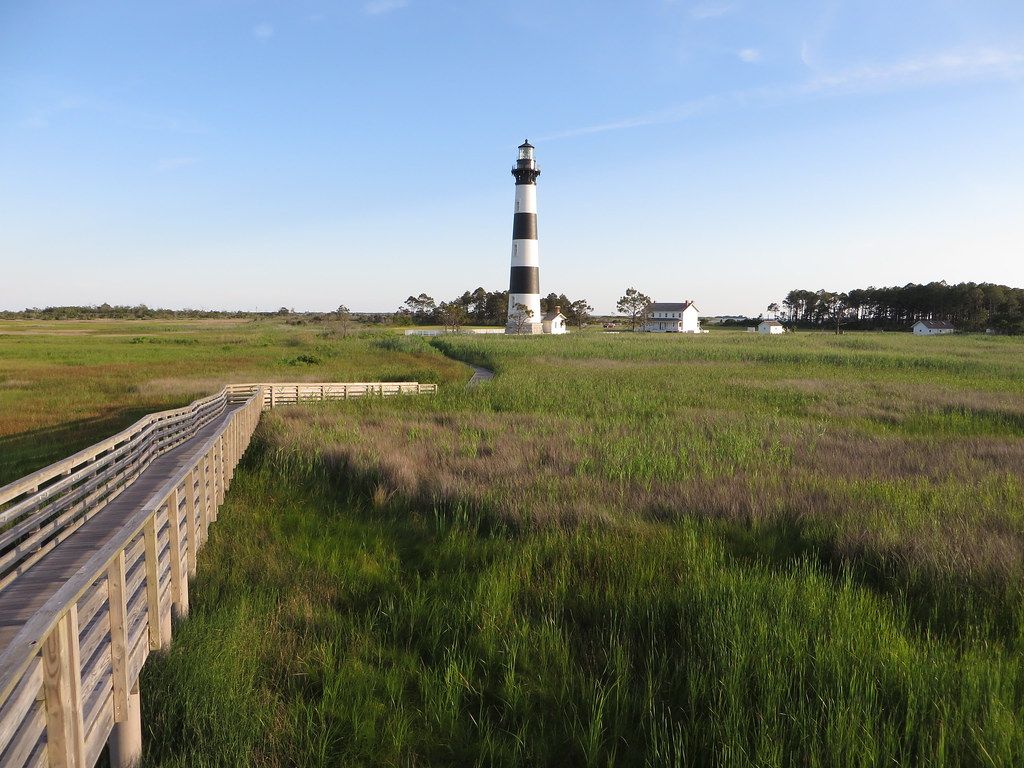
pixel 932 327
pixel 770 327
pixel 554 322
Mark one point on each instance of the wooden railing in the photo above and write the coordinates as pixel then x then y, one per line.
pixel 285 394
pixel 69 677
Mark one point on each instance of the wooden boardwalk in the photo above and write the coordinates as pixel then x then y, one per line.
pixel 27 594
pixel 96 554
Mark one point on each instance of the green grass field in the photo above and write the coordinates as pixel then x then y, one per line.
pixel 64 385
pixel 725 550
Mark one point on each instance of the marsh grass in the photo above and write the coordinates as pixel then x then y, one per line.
pixel 365 633
pixel 630 551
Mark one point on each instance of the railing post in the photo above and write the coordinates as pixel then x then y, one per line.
pixel 214 479
pixel 179 579
pixel 125 740
pixel 271 397
pixel 62 692
pixel 219 475
pixel 233 450
pixel 152 565
pixel 190 519
pixel 118 601
pixel 204 508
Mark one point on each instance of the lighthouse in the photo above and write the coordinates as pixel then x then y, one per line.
pixel 524 281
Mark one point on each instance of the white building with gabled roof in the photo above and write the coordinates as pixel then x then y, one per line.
pixel 554 322
pixel 671 317
pixel 932 327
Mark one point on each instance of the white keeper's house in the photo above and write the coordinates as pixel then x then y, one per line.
pixel 670 317
pixel 932 327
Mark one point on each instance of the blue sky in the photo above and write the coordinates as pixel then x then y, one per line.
pixel 234 154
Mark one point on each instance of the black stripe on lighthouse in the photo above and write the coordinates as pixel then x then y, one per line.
pixel 524 226
pixel 524 280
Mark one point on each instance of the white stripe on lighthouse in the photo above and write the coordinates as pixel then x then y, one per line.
pixel 526 198
pixel 525 253
pixel 531 300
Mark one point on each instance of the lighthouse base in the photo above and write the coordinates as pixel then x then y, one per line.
pixel 524 329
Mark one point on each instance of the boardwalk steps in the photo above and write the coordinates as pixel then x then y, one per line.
pixel 96 553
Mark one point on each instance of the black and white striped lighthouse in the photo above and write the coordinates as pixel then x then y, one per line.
pixel 524 281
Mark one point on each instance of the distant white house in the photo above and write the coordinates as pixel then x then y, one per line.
pixel 770 327
pixel 719 319
pixel 932 327
pixel 669 317
pixel 554 322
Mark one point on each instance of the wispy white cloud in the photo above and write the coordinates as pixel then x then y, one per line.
pixel 822 27
pixel 377 7
pixel 704 11
pixel 986 63
pixel 929 71
pixel 749 55
pixel 263 31
pixel 174 163
pixel 675 114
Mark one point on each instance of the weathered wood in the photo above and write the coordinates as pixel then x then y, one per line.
pixel 179 578
pixel 97 634
pixel 40 480
pixel 218 480
pixel 205 501
pixel 101 718
pixel 126 736
pixel 190 520
pixel 70 502
pixel 117 599
pixel 221 474
pixel 19 705
pixel 152 565
pixel 65 732
pixel 108 548
pixel 24 748
pixel 97 686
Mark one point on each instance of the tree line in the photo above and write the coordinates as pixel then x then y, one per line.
pixel 481 307
pixel 968 306
pixel 115 312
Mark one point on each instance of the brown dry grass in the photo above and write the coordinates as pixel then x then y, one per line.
pixel 863 492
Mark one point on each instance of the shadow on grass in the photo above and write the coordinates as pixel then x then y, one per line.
pixel 25 452
pixel 936 603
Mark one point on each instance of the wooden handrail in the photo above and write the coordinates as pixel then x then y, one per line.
pixel 69 676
